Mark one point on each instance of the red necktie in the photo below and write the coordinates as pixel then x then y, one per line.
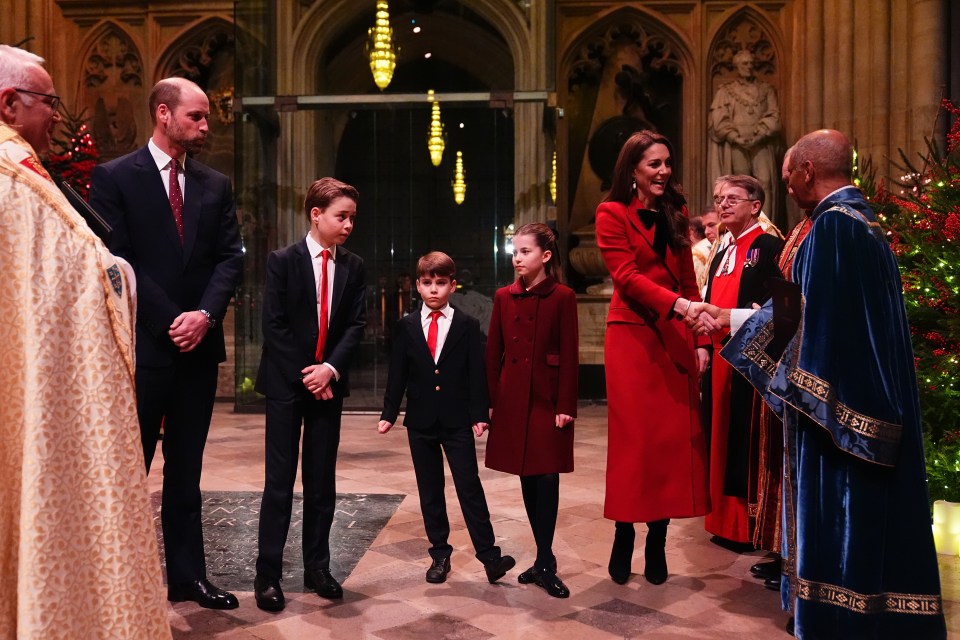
pixel 176 199
pixel 324 311
pixel 432 333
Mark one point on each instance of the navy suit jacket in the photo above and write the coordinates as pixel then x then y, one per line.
pixel 203 273
pixel 451 392
pixel 291 326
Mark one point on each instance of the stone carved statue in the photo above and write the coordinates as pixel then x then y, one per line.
pixel 745 128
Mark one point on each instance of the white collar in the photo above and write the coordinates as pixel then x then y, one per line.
pixel 315 248
pixel 425 311
pixel 162 158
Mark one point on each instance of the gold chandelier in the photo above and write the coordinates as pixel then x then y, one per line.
pixel 380 51
pixel 435 143
pixel 553 178
pixel 459 180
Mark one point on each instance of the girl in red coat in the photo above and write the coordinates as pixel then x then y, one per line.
pixel 532 365
pixel 656 454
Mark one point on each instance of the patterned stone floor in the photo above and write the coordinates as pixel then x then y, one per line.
pixel 709 593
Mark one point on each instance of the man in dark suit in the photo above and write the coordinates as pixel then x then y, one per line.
pixel 313 320
pixel 174 220
pixel 438 361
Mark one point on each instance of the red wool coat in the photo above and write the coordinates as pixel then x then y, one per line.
pixel 656 454
pixel 532 374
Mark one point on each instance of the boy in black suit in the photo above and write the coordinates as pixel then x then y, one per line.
pixel 438 361
pixel 313 319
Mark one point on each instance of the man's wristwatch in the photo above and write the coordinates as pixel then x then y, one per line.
pixel 210 319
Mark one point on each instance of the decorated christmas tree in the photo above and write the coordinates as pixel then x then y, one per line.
pixel 921 215
pixel 73 153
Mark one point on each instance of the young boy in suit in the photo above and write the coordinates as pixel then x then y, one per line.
pixel 313 319
pixel 438 361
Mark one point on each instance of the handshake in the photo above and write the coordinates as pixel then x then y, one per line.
pixel 702 317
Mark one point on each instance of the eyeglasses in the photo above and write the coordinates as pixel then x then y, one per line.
pixel 731 200
pixel 54 101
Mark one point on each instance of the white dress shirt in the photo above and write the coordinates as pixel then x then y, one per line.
pixel 163 164
pixel 443 325
pixel 316 256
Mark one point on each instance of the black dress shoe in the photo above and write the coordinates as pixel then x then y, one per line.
pixel 203 593
pixel 268 593
pixel 553 585
pixel 766 570
pixel 498 568
pixel 530 575
pixel 772 583
pixel 622 552
pixel 438 571
pixel 324 584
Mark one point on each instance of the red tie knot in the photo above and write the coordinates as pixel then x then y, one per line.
pixel 436 315
pixel 325 254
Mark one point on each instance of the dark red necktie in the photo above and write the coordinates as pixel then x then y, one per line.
pixel 324 311
pixel 432 333
pixel 176 198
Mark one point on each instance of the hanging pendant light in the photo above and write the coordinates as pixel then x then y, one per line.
pixel 553 178
pixel 435 142
pixel 459 180
pixel 380 51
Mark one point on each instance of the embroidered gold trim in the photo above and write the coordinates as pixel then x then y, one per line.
pixel 755 350
pixel 864 425
pixel 904 603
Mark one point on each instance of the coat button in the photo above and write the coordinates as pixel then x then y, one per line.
pixel 436 371
pixel 438 387
pixel 516 339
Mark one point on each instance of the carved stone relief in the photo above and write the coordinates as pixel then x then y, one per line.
pixel 206 56
pixel 113 90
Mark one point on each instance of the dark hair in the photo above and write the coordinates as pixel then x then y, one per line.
pixel 436 264
pixel 547 241
pixel 672 202
pixel 696 226
pixel 748 183
pixel 325 190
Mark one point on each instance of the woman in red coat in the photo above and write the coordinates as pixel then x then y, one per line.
pixel 656 455
pixel 532 364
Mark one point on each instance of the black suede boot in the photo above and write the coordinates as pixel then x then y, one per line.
pixel 622 552
pixel 656 570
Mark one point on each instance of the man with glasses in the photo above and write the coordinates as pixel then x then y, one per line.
pixel 78 550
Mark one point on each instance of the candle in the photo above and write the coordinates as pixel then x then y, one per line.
pixel 946 527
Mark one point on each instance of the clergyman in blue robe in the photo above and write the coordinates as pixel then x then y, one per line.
pixel 858 553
